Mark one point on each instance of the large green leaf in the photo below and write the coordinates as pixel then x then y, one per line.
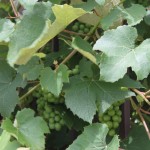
pixel 137 139
pixel 81 96
pixel 53 80
pixel 6 29
pixel 94 138
pixel 8 84
pixel 133 15
pixel 120 53
pixel 27 129
pixel 35 30
pixel 32 69
pixel 27 3
pixel 5 142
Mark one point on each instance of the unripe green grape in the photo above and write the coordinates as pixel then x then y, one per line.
pixel 115 125
pixel 48 109
pixel 75 28
pixel 52 114
pixel 116 108
pixel 51 120
pixel 88 25
pixel 81 26
pixel 106 118
pixel 62 122
pixel 57 126
pixel 56 112
pixel 77 66
pixel 52 126
pixel 77 23
pixel 116 104
pixel 100 117
pixel 111 112
pixel 115 118
pixel 119 113
pixel 69 72
pixel 86 30
pixel 110 108
pixel 75 71
pixel 81 31
pixel 111 132
pixel 57 118
pixel 49 95
pixel 109 124
pixel 46 115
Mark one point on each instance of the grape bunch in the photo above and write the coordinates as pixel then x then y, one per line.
pixel 44 95
pixel 74 71
pixel 81 27
pixel 112 117
pixel 47 108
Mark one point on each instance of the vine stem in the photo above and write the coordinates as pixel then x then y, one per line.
pixel 144 111
pixel 71 32
pixel 146 93
pixel 14 8
pixel 141 117
pixel 142 95
pixel 29 92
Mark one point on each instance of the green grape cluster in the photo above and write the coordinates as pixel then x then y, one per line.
pixel 47 108
pixel 51 115
pixel 44 95
pixel 74 71
pixel 112 117
pixel 81 27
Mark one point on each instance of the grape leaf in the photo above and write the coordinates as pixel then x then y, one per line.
pixel 133 14
pixel 94 138
pixel 137 139
pixel 85 68
pixel 147 18
pixel 83 47
pixel 27 3
pixel 108 20
pixel 35 30
pixel 88 6
pixel 5 142
pixel 6 29
pixel 100 2
pixel 53 81
pixel 8 85
pixel 27 129
pixel 81 96
pixel 120 53
pixel 31 70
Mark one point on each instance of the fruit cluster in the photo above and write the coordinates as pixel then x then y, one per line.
pixel 112 117
pixel 74 71
pixel 81 27
pixel 47 108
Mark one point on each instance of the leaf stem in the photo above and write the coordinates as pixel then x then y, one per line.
pixel 29 92
pixel 141 117
pixel 14 8
pixel 141 95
